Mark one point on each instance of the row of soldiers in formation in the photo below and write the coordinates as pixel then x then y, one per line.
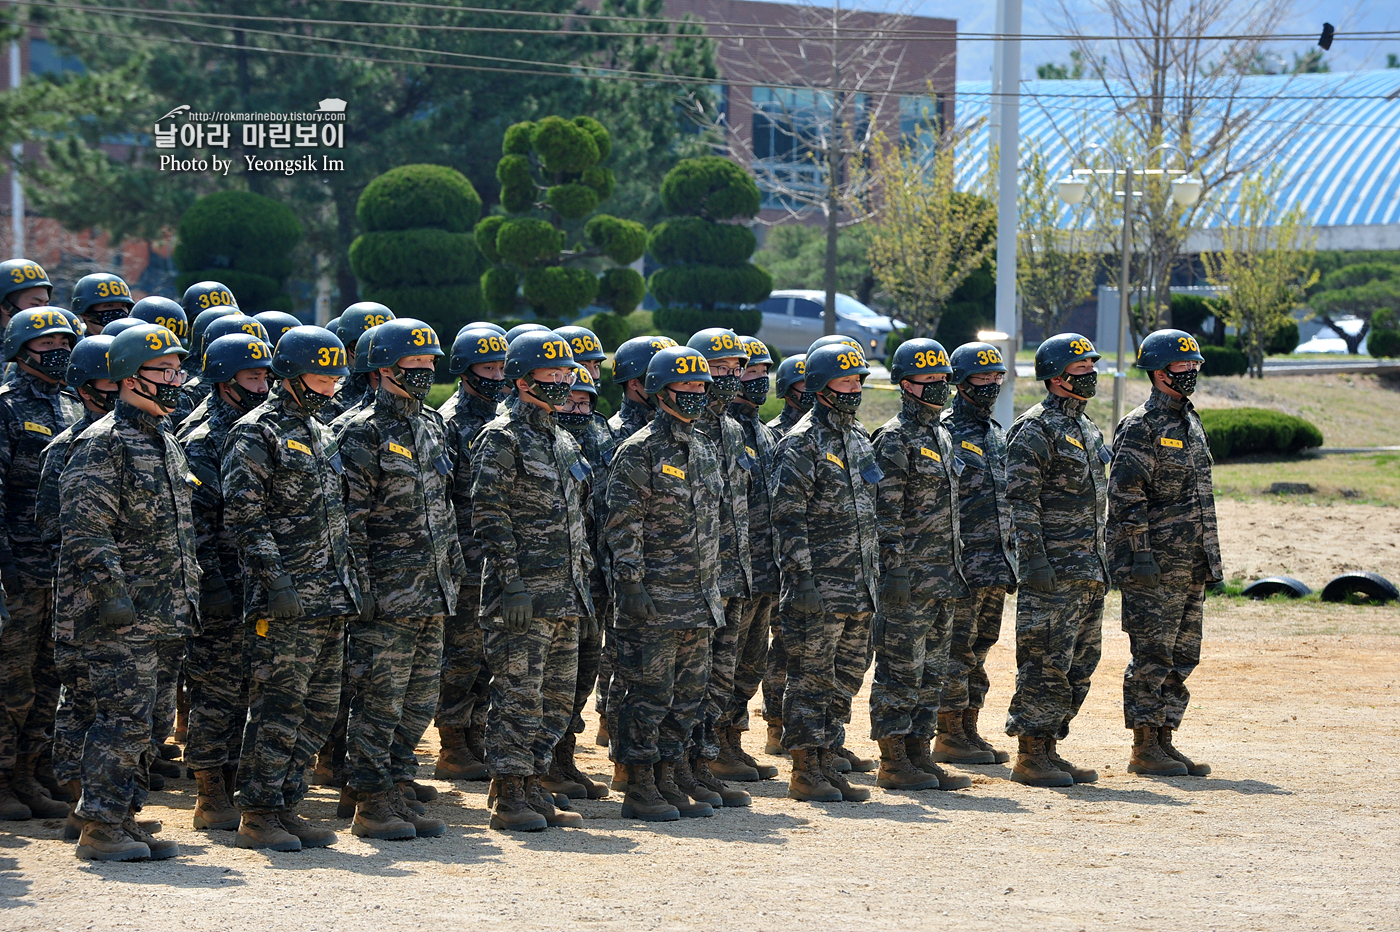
pixel 334 564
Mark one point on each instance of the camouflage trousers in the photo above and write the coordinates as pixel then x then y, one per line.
pixel 170 660
pixel 719 691
pixel 1164 632
pixel 774 670
pixel 533 680
pixel 590 659
pixel 28 680
pixel 751 659
pixel 294 678
pixel 976 628
pixel 1059 637
pixel 827 656
pixel 334 748
pixel 75 711
pixel 664 673
pixel 396 666
pixel 607 663
pixel 911 654
pixel 465 680
pixel 216 673
pixel 117 751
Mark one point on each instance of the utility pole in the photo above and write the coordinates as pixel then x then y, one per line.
pixel 1006 103
pixel 1120 376
pixel 16 155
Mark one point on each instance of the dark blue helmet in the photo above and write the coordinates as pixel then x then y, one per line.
pixel 403 336
pixel 518 329
pixel 229 355
pixel 35 323
pixel 790 371
pixel 101 288
pixel 484 325
pixel 1161 348
pixel 676 364
pixel 276 323
pixel 833 361
pixel 140 344
pixel 309 350
pixel 89 361
pixel 631 359
pixel 920 356
pixel 473 346
pixel 584 343
pixel 359 317
pixel 1061 351
pixel 537 349
pixel 234 323
pixel 204 296
pixel 972 358
pixel 718 343
pixel 162 312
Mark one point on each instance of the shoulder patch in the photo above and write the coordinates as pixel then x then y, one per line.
pixel 1074 442
pixel 298 446
pixel 833 458
pixel 931 454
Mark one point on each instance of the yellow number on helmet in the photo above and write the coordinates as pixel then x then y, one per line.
pixel 801 367
pixel 255 350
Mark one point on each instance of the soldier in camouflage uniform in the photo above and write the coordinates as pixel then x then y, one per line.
pixel 528 512
pixel 1163 549
pixel 590 430
pixel 797 401
pixel 761 446
pixel 100 298
pixel 824 514
pixel 478 359
pixel 988 553
pixel 23 285
pixel 283 502
pixel 32 412
pixel 920 553
pixel 237 367
pixel 87 377
pixel 724 351
pixel 203 303
pixel 1055 481
pixel 404 534
pixel 128 579
pixel 664 495
pixel 355 322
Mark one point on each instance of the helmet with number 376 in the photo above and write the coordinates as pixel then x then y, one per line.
pixel 1161 348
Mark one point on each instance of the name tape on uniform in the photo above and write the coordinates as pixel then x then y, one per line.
pixel 835 459
pixel 969 445
pixel 931 454
pixel 401 451
pixel 298 446
pixel 670 470
pixel 750 451
pixel 37 428
pixel 192 479
pixel 1174 444
pixel 1073 441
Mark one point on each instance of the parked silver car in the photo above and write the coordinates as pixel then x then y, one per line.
pixel 793 319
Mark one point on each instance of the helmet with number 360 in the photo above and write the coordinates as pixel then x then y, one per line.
pixel 138 345
pixel 102 288
pixel 403 336
pixel 1161 348
pixel 21 275
pixel 1060 352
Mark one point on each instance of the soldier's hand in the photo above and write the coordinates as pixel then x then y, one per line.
pixel 282 598
pixel 635 603
pixel 806 599
pixel 1040 575
pixel 895 589
pixel 1145 569
pixel 516 607
pixel 216 601
pixel 588 627
pixel 117 613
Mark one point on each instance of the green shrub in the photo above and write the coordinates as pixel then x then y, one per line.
pixel 1190 312
pixel 412 196
pixel 445 308
pixel 1383 342
pixel 711 187
pixel 612 329
pixel 1239 431
pixel 688 320
pixel 253 292
pixel 621 289
pixel 560 290
pixel 1284 340
pixel 600 179
pixel 485 237
pixel 424 256
pixel 517 139
pixel 237 230
pixel 498 289
pixel 523 241
pixel 572 201
pixel 695 240
pixel 710 285
pixel 564 146
pixel 1223 360
pixel 622 241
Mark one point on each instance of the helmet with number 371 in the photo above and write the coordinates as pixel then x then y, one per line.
pixel 1161 348
pixel 309 350
pixel 403 336
pixel 137 345
pixel 229 355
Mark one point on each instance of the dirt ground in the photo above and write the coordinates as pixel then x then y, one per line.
pixel 1295 705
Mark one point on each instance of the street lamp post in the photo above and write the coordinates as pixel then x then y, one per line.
pixel 1185 192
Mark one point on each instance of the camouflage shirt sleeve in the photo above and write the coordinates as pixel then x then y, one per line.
pixel 629 488
pixel 889 494
pixel 47 499
pixel 91 495
pixel 793 488
pixel 246 477
pixel 1027 458
pixel 359 446
pixel 494 455
pixel 1129 481
pixel 208 500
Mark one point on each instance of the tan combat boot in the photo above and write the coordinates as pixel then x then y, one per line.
pixel 455 760
pixel 512 811
pixel 265 830
pixel 1193 768
pixel 419 792
pixel 1149 759
pixel 309 834
pixel 688 807
pixel 1079 774
pixel 543 801
pixel 643 800
pixel 375 817
pixel 424 826
pixel 953 746
pixel 73 827
pixel 31 792
pixel 703 780
pixel 826 761
pixel 105 841
pixel 345 806
pixel 323 774
pixel 729 765
pixel 970 729
pixel 11 809
pixel 896 773
pixel 1034 768
pixel 160 848
pixel 773 743
pixel 213 809
pixel 807 783
pixel 919 755
pixel 736 744
pixel 621 774
pixel 555 782
pixel 568 767
pixel 43 772
pixel 604 737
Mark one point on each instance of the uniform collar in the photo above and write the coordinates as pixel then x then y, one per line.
pixel 964 408
pixel 142 419
pixel 475 403
pixel 680 430
pixel 919 411
pixel 37 385
pixel 740 410
pixel 533 415
pixel 830 417
pixel 1070 407
pixel 403 407
pixel 289 403
pixel 1160 399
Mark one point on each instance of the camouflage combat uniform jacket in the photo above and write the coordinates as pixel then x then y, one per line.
pixel 464 415
pixel 284 504
pixel 786 420
pixel 824 511
pixel 528 504
pixel 128 529
pixel 662 529
pixel 215 542
pixel 1160 496
pixel 629 419
pixel 402 526
pixel 49 497
pixel 984 513
pixel 1059 494
pixel 917 502
pixel 761 445
pixel 727 439
pixel 32 413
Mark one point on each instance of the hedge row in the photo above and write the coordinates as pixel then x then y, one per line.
pixel 1239 431
pixel 711 284
pixel 419 196
pixel 688 320
pixel 1223 360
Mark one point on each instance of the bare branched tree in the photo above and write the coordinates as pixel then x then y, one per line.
pixel 825 83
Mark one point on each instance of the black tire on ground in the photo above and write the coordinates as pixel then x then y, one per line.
pixel 1370 586
pixel 1277 585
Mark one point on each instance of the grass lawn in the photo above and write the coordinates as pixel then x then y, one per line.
pixel 1367 478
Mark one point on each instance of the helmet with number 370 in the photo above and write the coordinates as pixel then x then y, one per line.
pixel 1161 348
pixel 1060 352
pixel 403 336
pixel 137 345
pixel 537 349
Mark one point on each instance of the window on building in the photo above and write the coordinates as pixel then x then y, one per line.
pixel 44 58
pixel 920 118
pixel 790 127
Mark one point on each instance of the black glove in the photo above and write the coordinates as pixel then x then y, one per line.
pixel 895 590
pixel 806 600
pixel 587 627
pixel 368 601
pixel 1145 569
pixel 1040 576
pixel 282 599
pixel 516 607
pixel 635 603
pixel 216 601
pixel 117 613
